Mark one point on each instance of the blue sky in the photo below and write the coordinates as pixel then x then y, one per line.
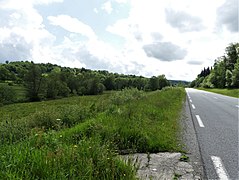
pixel 141 37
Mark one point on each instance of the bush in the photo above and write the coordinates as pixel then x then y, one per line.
pixel 73 115
pixel 7 94
pixel 45 120
pixel 126 95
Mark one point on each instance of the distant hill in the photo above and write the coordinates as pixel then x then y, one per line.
pixel 178 82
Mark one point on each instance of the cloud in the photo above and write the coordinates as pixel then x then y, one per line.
pixel 156 36
pixel 183 21
pixel 15 48
pixel 107 7
pixel 72 25
pixel 165 51
pixel 45 2
pixel 23 34
pixel 121 1
pixel 195 62
pixel 227 15
pixel 12 4
pixel 96 10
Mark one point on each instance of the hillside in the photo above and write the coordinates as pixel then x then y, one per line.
pixel 50 81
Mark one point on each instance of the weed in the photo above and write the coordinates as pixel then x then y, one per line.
pixel 184 158
pixel 176 176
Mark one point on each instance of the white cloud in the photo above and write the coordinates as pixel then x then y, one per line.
pixel 107 7
pixel 13 4
pixel 72 25
pixel 121 1
pixel 47 2
pixel 96 10
pixel 23 33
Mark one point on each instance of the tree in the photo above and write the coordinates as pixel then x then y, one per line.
pixel 7 94
pixel 232 55
pixel 163 82
pixel 33 82
pixel 220 73
pixel 153 83
pixel 109 82
pixel 228 78
pixel 235 75
pixel 5 74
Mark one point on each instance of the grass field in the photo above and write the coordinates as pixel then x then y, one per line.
pixel 227 92
pixel 81 137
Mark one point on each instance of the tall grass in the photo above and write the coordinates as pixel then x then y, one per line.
pixel 227 92
pixel 81 138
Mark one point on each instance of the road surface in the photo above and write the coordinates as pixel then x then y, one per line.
pixel 215 118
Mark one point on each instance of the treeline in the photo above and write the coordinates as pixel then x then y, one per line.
pixel 48 81
pixel 224 73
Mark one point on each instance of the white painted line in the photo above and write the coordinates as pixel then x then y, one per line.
pixel 215 98
pixel 193 106
pixel 191 100
pixel 237 106
pixel 200 121
pixel 220 169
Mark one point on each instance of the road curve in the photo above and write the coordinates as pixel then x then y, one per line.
pixel 215 118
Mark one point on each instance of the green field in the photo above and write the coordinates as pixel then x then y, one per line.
pixel 81 137
pixel 227 92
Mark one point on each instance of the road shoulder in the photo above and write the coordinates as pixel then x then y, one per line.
pixel 190 141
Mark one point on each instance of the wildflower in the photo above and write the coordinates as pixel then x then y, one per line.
pixel 75 146
pixel 60 136
pixel 58 119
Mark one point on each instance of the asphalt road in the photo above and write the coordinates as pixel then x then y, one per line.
pixel 215 118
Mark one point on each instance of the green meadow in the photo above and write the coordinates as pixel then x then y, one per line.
pixel 82 137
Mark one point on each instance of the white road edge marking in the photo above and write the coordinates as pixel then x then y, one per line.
pixel 237 106
pixel 191 100
pixel 193 106
pixel 200 121
pixel 220 169
pixel 215 97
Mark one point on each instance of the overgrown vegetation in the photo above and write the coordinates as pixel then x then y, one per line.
pixel 81 137
pixel 225 71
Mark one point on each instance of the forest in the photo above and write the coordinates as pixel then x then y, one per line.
pixel 224 73
pixel 50 81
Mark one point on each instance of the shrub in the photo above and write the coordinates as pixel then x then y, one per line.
pixel 7 94
pixel 46 120
pixel 126 95
pixel 73 114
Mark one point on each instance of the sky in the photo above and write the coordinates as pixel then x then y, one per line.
pixel 140 37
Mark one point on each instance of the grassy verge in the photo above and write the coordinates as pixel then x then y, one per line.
pixel 52 147
pixel 227 92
